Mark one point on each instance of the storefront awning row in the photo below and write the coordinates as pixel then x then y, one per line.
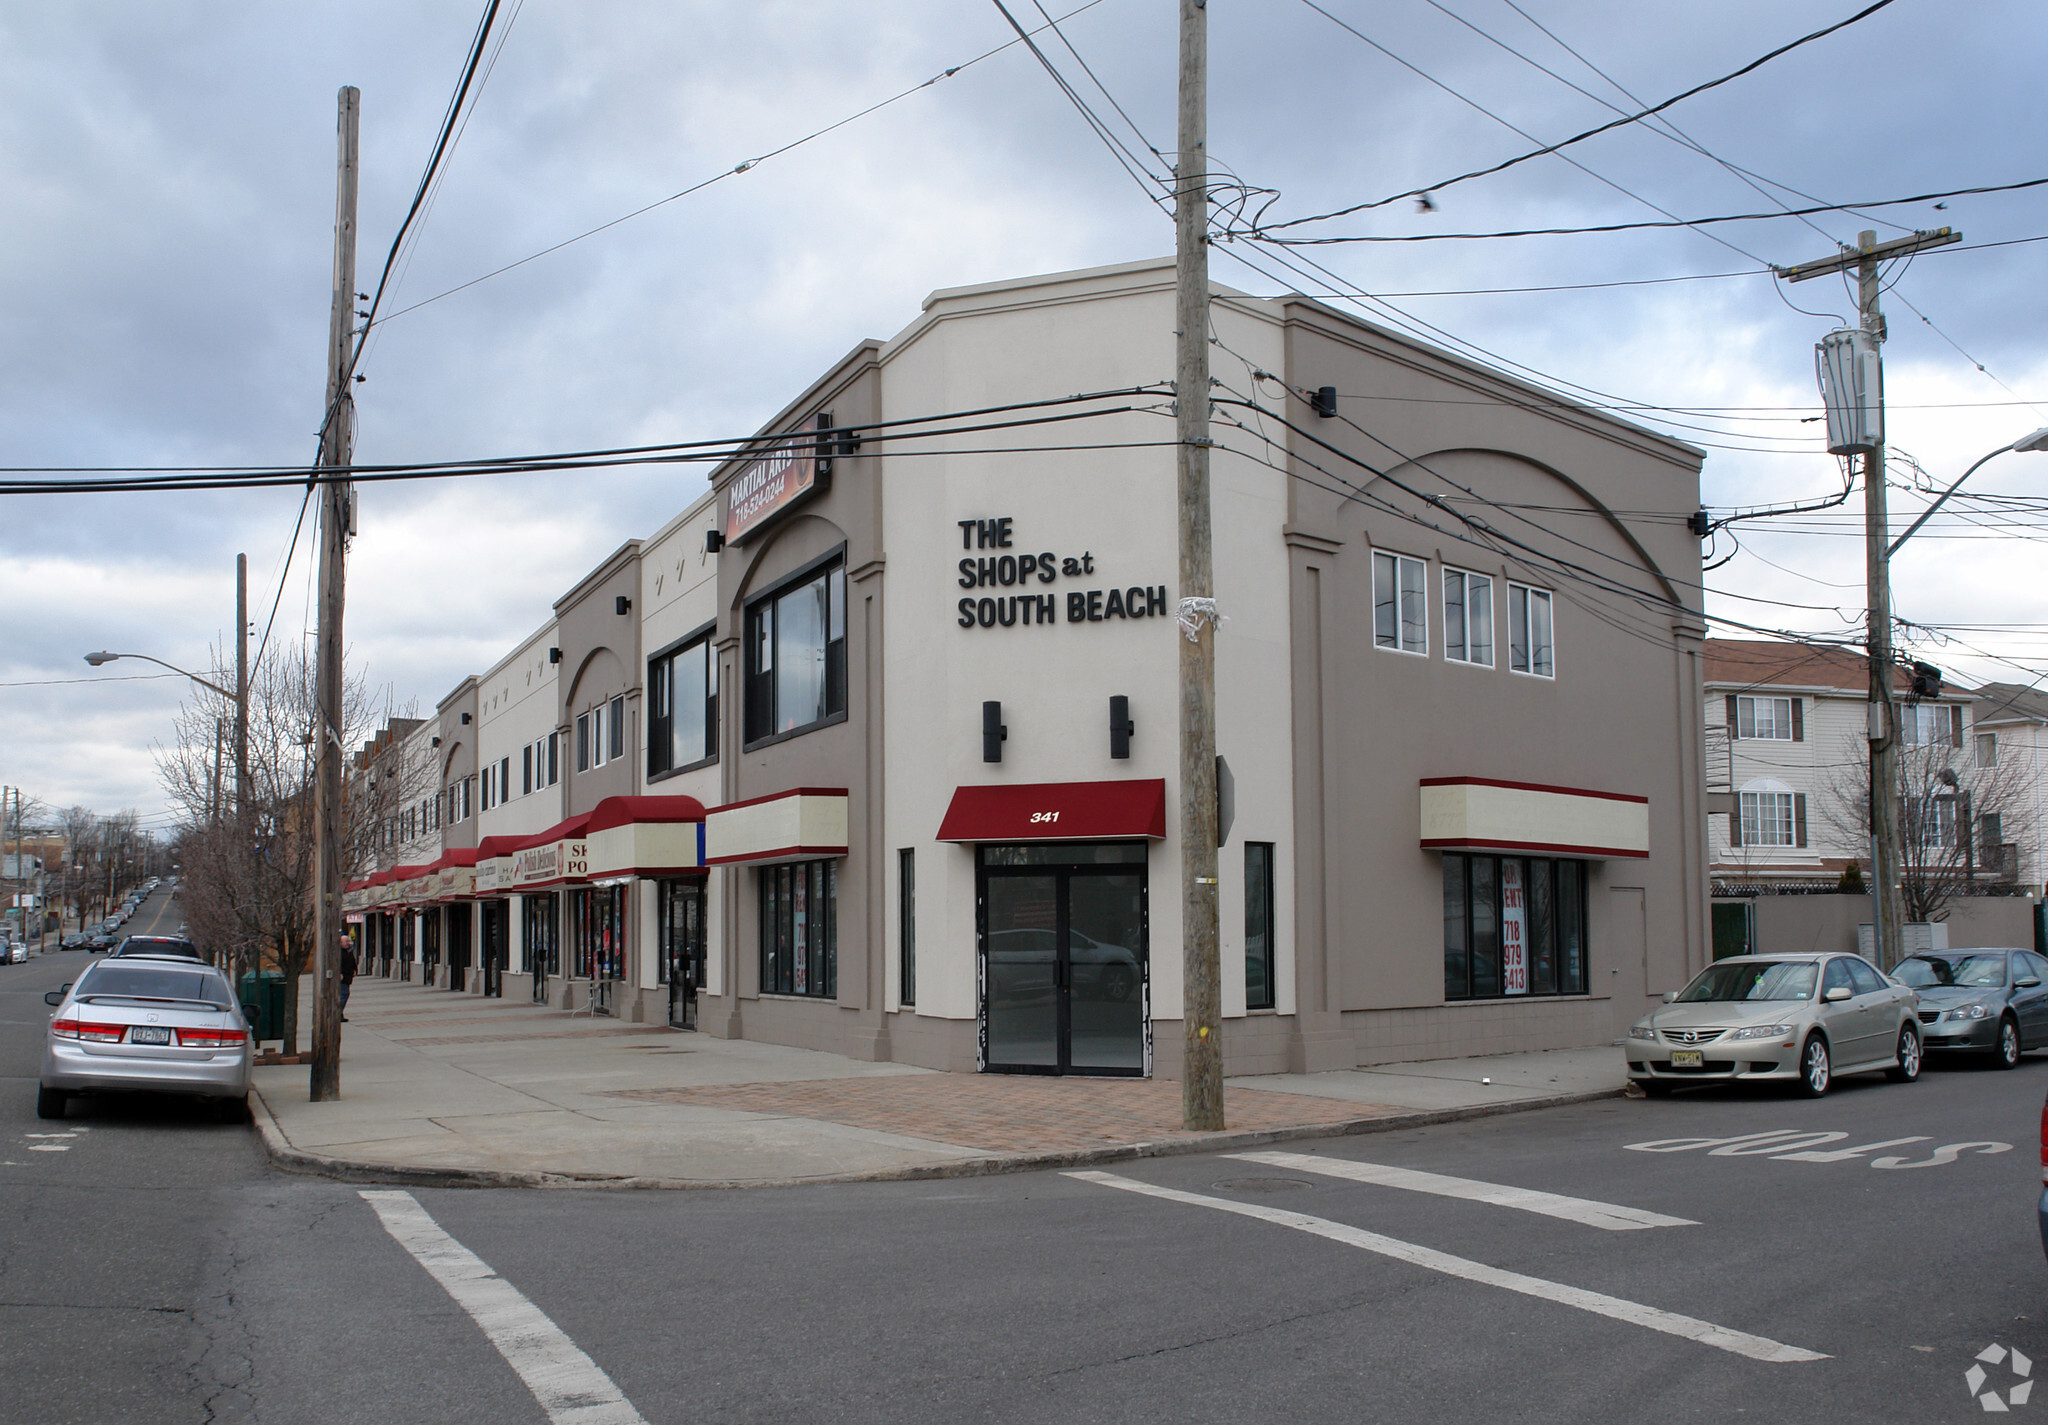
pixel 1483 814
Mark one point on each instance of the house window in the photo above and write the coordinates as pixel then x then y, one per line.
pixel 1931 824
pixel 1468 618
pixel 1765 718
pixel 796 656
pixel 1400 614
pixel 906 933
pixel 1513 925
pixel 583 742
pixel 526 770
pixel 682 728
pixel 1771 818
pixel 504 779
pixel 1987 749
pixel 1258 925
pixel 1529 642
pixel 547 769
pixel 799 930
pixel 1931 724
pixel 617 720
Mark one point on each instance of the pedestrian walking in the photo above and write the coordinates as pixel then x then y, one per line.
pixel 348 974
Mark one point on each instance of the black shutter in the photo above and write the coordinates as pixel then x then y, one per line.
pixel 1798 720
pixel 1732 734
pixel 1799 818
pixel 1955 725
pixel 1735 823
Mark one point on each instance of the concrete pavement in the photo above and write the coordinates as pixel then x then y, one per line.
pixel 445 1088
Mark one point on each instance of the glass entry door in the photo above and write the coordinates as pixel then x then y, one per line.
pixel 493 938
pixel 681 948
pixel 1064 987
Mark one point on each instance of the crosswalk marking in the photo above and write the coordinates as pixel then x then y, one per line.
pixel 1604 1215
pixel 567 1383
pixel 1721 1338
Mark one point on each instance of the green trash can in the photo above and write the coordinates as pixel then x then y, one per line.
pixel 265 990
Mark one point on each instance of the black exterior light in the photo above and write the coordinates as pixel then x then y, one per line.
pixel 554 655
pixel 465 719
pixel 621 604
pixel 993 733
pixel 1120 727
pixel 714 540
pixel 1324 403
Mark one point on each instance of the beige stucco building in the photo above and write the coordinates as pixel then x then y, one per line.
pixel 873 748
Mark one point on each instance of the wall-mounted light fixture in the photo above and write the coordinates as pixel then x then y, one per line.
pixel 714 540
pixel 554 655
pixel 621 604
pixel 1325 402
pixel 993 733
pixel 465 719
pixel 1120 727
pixel 436 741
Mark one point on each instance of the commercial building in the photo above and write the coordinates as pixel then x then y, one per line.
pixel 873 748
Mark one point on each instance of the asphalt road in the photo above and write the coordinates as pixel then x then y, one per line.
pixel 155 1270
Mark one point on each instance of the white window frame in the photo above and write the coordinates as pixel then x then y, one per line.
pixel 1916 720
pixel 1409 578
pixel 1751 729
pixel 1987 742
pixel 1532 599
pixel 1753 812
pixel 1476 592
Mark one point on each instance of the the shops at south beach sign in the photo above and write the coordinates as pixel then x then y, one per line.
pixel 992 562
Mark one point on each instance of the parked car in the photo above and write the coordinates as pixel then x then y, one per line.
pixel 100 943
pixel 1799 1019
pixel 1990 1001
pixel 18 953
pixel 2041 1209
pixel 73 942
pixel 171 946
pixel 146 1025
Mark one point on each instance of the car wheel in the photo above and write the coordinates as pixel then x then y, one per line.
pixel 50 1103
pixel 1653 1088
pixel 1116 982
pixel 2007 1055
pixel 232 1110
pixel 1816 1072
pixel 1908 1067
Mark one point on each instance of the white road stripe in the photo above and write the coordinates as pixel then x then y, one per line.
pixel 1757 1348
pixel 566 1382
pixel 1605 1215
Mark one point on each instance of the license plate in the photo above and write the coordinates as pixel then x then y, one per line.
pixel 1686 1058
pixel 142 1034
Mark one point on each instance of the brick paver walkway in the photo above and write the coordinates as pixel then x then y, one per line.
pixel 1003 1113
pixel 602 1031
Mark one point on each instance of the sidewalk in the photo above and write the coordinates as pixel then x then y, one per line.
pixel 454 1089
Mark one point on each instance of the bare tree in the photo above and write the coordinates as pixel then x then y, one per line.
pixel 250 870
pixel 1957 816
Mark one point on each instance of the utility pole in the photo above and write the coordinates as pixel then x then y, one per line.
pixel 335 442
pixel 1201 1085
pixel 1887 850
pixel 243 833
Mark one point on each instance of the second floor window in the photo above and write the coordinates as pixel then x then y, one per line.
pixel 1468 618
pixel 1767 718
pixel 796 656
pixel 1529 633
pixel 1931 724
pixel 1400 612
pixel 682 725
pixel 1771 819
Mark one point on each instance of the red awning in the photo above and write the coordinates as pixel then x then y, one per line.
pixel 1056 811
pixel 652 811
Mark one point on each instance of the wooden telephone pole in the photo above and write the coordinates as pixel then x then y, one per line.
pixel 1201 1082
pixel 1887 849
pixel 335 495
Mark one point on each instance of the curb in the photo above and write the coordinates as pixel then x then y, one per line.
pixel 279 1151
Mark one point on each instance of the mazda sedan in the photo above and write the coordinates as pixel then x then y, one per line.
pixel 150 1026
pixel 1798 1019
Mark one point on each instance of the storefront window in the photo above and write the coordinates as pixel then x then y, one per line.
pixel 539 934
pixel 597 933
pixel 683 692
pixel 906 874
pixel 796 656
pixel 1513 925
pixel 1258 925
pixel 799 929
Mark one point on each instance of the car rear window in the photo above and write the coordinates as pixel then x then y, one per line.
pixel 153 982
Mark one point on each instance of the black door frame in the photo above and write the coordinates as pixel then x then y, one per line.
pixel 682 967
pixel 1063 977
pixel 492 933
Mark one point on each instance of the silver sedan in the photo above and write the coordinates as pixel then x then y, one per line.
pixel 1799 1019
pixel 141 1025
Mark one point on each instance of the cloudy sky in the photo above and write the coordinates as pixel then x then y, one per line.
pixel 168 214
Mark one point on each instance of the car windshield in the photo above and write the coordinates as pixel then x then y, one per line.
pixel 152 982
pixel 1926 972
pixel 1752 980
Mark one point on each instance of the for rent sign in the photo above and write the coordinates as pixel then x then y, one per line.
pixel 767 486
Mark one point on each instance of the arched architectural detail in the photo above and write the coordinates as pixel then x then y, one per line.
pixel 803 537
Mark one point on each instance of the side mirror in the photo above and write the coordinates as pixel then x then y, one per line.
pixel 2027 984
pixel 55 997
pixel 1837 994
pixel 1670 996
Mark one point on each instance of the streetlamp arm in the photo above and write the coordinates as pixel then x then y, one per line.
pixel 2037 441
pixel 98 658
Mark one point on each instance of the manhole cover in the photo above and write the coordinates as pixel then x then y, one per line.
pixel 1262 1184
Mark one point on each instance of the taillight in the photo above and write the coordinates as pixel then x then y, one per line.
pixel 210 1038
pixel 97 1033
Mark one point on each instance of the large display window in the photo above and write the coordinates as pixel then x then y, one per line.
pixel 1513 925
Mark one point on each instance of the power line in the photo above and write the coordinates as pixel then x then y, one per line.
pixel 1576 138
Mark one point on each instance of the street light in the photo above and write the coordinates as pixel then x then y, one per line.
pixel 2037 441
pixel 96 659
